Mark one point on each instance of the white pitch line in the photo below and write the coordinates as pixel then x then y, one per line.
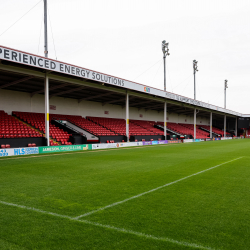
pixel 148 236
pixel 121 230
pixel 150 191
pixel 34 209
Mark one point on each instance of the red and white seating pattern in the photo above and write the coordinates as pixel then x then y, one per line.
pixel 91 127
pixel 186 129
pixel 10 127
pixel 37 120
pixel 215 130
pixel 118 126
pixel 149 126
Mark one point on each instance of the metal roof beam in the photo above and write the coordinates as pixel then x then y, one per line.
pixel 53 88
pixel 67 91
pixel 114 101
pixel 139 103
pixel 158 106
pixel 93 97
pixel 16 82
pixel 121 99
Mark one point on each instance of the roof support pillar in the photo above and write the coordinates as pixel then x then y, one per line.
pixel 236 127
pixel 194 123
pixel 46 83
pixel 165 120
pixel 46 91
pixel 127 116
pixel 211 125
pixel 225 125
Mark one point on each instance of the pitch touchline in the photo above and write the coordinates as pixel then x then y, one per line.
pixel 121 230
pixel 150 191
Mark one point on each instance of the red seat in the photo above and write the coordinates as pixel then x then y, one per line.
pixel 3 146
pixel 7 145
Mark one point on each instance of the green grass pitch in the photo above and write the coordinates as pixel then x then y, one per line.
pixel 178 196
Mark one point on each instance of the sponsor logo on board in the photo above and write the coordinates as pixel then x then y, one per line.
pixel 25 151
pixel 3 152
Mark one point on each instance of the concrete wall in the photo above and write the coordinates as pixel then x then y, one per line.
pixel 20 101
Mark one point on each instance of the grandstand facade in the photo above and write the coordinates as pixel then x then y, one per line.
pixel 91 107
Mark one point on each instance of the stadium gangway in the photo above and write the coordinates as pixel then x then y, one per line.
pixel 207 130
pixel 67 125
pixel 169 130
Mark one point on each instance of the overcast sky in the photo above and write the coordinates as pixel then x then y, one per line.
pixel 123 38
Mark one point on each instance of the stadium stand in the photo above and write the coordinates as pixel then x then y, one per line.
pixel 185 129
pixel 215 130
pixel 37 120
pixel 13 128
pixel 29 124
pixel 148 125
pixel 118 126
pixel 199 133
pixel 90 126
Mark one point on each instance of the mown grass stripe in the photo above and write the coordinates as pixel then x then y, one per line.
pixel 121 230
pixel 152 190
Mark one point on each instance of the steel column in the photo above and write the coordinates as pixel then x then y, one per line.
pixel 211 125
pixel 46 82
pixel 47 108
pixel 127 116
pixel 236 127
pixel 225 121
pixel 195 123
pixel 165 120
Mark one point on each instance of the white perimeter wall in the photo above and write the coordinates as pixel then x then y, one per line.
pixel 20 101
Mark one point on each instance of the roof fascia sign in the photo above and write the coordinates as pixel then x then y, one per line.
pixel 56 66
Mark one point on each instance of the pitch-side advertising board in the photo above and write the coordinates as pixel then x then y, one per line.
pixel 226 138
pixel 188 140
pixel 66 148
pixel 18 151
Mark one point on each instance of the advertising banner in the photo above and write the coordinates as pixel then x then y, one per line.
pixel 197 140
pixel 216 139
pixel 163 142
pixel 64 148
pixel 6 152
pixel 18 151
pixel 129 144
pixel 209 139
pixel 147 143
pixel 104 145
pixel 226 138
pixel 188 140
pixel 174 141
pixel 155 142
